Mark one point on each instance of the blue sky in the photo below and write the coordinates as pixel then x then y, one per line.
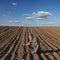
pixel 30 12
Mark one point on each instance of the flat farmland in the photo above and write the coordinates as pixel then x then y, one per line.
pixel 12 38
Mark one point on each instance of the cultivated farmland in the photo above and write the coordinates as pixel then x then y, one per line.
pixel 12 38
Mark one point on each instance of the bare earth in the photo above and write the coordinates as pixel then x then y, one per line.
pixel 11 39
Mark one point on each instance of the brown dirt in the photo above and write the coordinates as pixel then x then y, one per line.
pixel 12 38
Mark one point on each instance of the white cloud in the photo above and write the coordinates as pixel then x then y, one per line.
pixel 43 14
pixel 7 15
pixel 10 21
pixel 13 21
pixel 14 4
pixel 29 18
pixel 47 23
pixel 38 15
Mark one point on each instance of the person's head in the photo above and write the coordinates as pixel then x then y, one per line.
pixel 31 36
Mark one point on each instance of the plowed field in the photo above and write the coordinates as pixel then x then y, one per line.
pixel 12 37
